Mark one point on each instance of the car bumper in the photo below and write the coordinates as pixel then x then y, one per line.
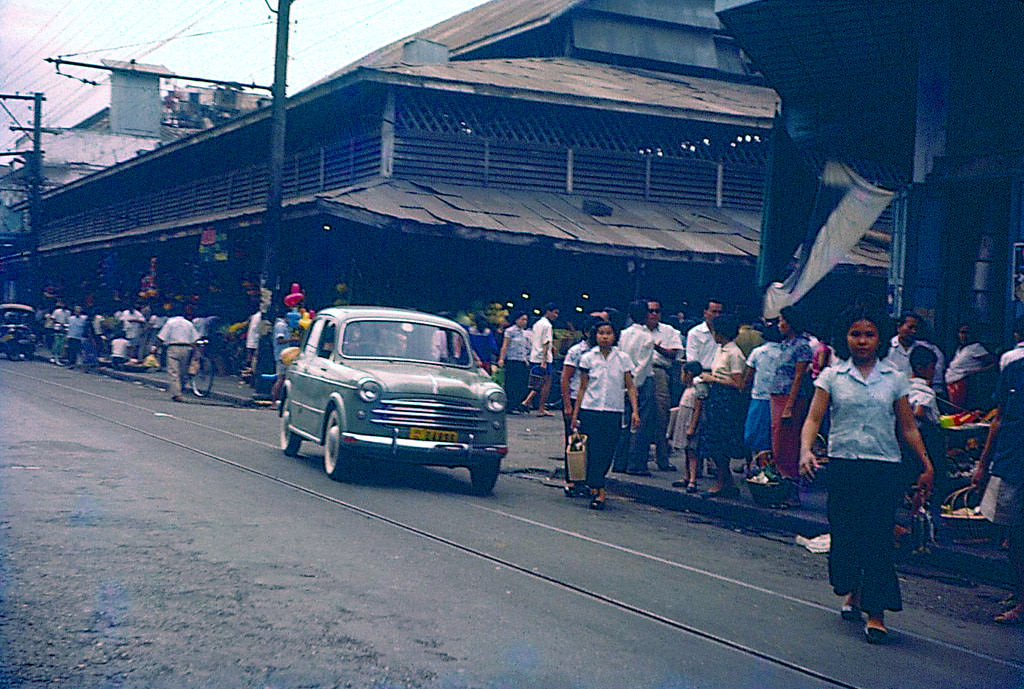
pixel 430 452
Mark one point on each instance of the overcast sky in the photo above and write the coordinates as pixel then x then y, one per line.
pixel 219 39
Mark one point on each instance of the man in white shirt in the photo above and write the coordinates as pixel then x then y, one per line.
pixel 651 345
pixel 178 335
pixel 700 340
pixel 905 340
pixel 542 355
pixel 132 321
pixel 1018 351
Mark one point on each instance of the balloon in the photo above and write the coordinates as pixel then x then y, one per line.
pixel 305 322
pixel 293 319
pixel 293 299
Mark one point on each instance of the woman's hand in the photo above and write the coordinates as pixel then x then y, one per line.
pixel 787 412
pixel 925 481
pixel 978 475
pixel 810 463
pixel 575 424
pixel 634 421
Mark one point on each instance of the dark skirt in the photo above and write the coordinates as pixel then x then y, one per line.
pixel 720 431
pixel 516 375
pixel 861 516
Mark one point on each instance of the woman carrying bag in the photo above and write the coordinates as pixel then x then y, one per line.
pixel 605 379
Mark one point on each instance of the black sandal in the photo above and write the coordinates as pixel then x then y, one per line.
pixel 597 504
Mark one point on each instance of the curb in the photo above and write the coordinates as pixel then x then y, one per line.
pixel 161 384
pixel 990 567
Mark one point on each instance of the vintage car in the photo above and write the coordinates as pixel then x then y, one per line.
pixel 394 385
pixel 17 331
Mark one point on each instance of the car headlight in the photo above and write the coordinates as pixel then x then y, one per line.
pixel 496 401
pixel 369 390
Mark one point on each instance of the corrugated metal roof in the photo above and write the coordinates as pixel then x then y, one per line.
pixel 634 226
pixel 597 83
pixel 471 29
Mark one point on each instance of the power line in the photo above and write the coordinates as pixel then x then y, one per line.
pixel 194 35
pixel 11 114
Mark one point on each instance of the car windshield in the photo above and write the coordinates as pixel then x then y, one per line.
pixel 405 340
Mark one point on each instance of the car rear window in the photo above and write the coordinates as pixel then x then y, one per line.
pixel 406 341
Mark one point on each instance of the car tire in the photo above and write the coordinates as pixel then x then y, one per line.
pixel 290 442
pixel 483 476
pixel 335 461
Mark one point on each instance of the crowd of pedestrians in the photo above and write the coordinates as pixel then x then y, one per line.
pixel 770 393
pixel 706 394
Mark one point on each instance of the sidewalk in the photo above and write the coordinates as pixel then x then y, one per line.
pixel 535 447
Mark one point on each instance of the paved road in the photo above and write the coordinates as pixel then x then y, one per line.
pixel 152 544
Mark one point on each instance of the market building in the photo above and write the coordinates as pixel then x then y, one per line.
pixel 584 151
pixel 932 93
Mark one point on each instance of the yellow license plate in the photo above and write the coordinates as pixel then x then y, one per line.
pixel 433 434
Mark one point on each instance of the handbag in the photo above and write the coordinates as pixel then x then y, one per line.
pixel 538 374
pixel 576 458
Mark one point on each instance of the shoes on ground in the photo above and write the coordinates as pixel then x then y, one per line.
pixel 1013 616
pixel 177 398
pixel 851 613
pixel 639 473
pixel 876 635
pixel 727 492
pixel 692 488
pixel 668 467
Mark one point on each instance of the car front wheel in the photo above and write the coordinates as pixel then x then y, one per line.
pixel 290 442
pixel 334 456
pixel 483 476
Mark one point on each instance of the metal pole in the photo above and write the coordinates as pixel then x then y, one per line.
pixel 270 279
pixel 33 285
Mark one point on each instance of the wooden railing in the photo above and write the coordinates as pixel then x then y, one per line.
pixel 331 166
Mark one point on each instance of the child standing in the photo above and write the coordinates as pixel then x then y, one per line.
pixel 757 430
pixel 684 431
pixel 605 380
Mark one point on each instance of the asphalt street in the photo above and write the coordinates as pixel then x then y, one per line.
pixel 150 544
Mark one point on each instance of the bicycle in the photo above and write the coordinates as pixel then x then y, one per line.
pixel 200 370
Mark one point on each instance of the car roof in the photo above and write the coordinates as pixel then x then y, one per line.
pixel 16 307
pixel 387 313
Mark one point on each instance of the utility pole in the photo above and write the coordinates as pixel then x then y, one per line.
pixel 270 278
pixel 35 186
pixel 35 203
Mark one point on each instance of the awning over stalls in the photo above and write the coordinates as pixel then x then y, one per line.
pixel 577 223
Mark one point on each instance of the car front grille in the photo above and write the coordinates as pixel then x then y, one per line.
pixel 429 414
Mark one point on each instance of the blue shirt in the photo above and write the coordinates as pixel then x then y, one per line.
pixel 282 333
pixel 792 351
pixel 863 410
pixel 1008 455
pixel 77 326
pixel 518 344
pixel 763 360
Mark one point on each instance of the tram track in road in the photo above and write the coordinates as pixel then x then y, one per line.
pixel 549 579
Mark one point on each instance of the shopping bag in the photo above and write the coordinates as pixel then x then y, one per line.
pixel 576 458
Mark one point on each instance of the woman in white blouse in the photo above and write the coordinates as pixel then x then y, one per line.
pixel 605 379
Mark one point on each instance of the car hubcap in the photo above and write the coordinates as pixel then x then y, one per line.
pixel 331 449
pixel 285 420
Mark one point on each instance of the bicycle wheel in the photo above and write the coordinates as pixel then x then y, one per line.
pixel 202 381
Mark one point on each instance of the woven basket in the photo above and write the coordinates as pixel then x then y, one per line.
pixel 768 494
pixel 960 520
pixel 538 374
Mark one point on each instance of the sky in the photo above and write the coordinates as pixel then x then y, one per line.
pixel 217 39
